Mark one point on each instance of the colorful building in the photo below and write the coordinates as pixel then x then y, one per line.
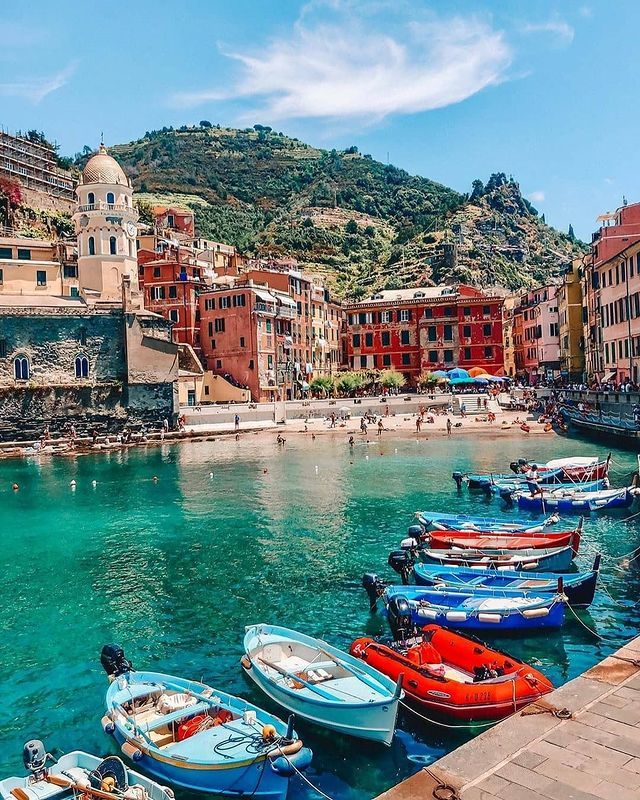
pixel 570 317
pixel 537 317
pixel 425 329
pixel 38 267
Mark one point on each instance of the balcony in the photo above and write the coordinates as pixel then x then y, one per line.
pixel 264 308
pixel 103 207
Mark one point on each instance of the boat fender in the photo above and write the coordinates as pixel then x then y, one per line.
pixel 456 616
pixel 534 613
pixel 532 565
pixel 494 619
pixel 288 765
pixel 286 749
pixel 268 733
pixel 245 661
pixel 107 725
pixel 131 751
pixel 428 613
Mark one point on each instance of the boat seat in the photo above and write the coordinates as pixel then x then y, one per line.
pixel 166 719
pixel 293 664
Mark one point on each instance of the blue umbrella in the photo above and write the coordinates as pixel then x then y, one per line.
pixel 457 372
pixel 440 373
pixel 481 381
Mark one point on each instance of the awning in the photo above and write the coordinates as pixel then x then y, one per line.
pixel 264 295
pixel 287 301
pixel 611 377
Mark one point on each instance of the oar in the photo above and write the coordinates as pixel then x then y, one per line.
pixel 364 677
pixel 293 677
pixel 58 781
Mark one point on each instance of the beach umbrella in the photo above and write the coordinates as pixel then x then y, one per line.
pixel 476 372
pixel 457 372
pixel 480 380
pixel 459 381
pixel 439 373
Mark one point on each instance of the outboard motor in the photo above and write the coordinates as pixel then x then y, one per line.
pixel 415 532
pixel 399 615
pixel 457 477
pixel 506 495
pixel 374 587
pixel 402 562
pixel 514 467
pixel 114 661
pixel 34 757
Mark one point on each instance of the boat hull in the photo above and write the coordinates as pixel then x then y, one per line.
pixel 508 541
pixel 556 560
pixel 569 505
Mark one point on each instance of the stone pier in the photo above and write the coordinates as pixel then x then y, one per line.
pixel 536 755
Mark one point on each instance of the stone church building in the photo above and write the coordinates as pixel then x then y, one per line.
pixel 95 357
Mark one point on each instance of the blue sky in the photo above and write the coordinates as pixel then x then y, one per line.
pixel 449 89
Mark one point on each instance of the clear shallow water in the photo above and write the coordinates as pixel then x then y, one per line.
pixel 173 571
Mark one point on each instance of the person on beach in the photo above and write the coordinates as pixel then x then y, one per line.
pixel 280 440
pixel 333 419
pixel 463 411
pixel 237 421
pixel 449 426
pixel 380 427
pixel 363 425
pixel 351 441
pixel 418 424
pixel 165 425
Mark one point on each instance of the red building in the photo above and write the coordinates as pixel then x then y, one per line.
pixel 425 329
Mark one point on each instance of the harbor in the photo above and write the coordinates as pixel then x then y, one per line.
pixel 175 549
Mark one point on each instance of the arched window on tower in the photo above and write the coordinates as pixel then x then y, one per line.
pixel 82 366
pixel 21 368
pixel 110 198
pixel 91 199
pixel 112 245
pixel 92 246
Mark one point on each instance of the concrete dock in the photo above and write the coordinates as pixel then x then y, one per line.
pixel 539 755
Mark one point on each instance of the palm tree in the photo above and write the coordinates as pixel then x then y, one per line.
pixel 392 379
pixel 322 385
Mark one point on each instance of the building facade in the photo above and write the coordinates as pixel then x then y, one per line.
pixel 537 318
pixel 34 165
pixel 425 329
pixel 570 317
pixel 38 267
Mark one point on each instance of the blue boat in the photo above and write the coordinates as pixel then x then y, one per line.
pixel 196 737
pixel 576 502
pixel 516 485
pixel 579 587
pixel 410 608
pixel 78 774
pixel 321 683
pixel 436 520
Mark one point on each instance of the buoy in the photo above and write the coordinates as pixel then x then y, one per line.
pixel 15 487
pixel 94 484
pixel 396 450
pixel 211 474
pixel 72 484
pixel 316 469
pixel 366 458
pixel 268 732
pixel 155 478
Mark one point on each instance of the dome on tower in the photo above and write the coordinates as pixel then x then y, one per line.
pixel 103 168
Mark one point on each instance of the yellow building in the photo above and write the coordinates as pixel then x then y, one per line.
pixel 508 341
pixel 570 304
pixel 38 267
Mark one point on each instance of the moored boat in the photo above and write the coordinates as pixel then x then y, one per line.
pixel 470 540
pixel 570 470
pixel 324 685
pixel 437 520
pixel 197 737
pixel 78 774
pixel 576 502
pixel 456 675
pixel 409 608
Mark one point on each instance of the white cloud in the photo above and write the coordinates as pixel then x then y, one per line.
pixel 347 67
pixel 36 89
pixel 555 25
pixel 537 197
pixel 585 11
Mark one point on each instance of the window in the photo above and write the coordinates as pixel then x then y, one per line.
pixel 82 367
pixel 92 246
pixel 170 220
pixel 368 339
pixel 6 252
pixel 448 333
pixel 428 313
pixel 386 360
pixel 488 352
pixel 385 316
pixel 1 277
pixel 448 356
pixel 3 348
pixel 157 272
pixel 218 363
pixel 486 329
pixel 466 331
pixel 219 325
pixel 404 337
pixel 363 362
pixel 242 341
pixel 173 291
pixel 209 304
pixel 157 293
pixel 213 343
pixel 70 270
pixel 73 291
pixel 110 198
pixel 41 277
pixel 268 326
pixel 432 333
pixel 224 302
pixel 24 255
pixel 210 329
pixel 82 335
pixel 356 340
pixel 238 300
pixel 486 310
pixel 466 311
pixel 206 390
pixel 21 368
pixel 404 315
pixel 112 246
pixel 251 363
pixel 406 358
pixel 467 353
pixel 174 315
pixel 433 356
pixel 91 198
pixel 385 338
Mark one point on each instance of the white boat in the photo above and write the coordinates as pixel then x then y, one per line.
pixel 321 683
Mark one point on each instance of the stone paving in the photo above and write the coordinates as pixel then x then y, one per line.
pixel 595 755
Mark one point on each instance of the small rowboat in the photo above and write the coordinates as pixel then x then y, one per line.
pixel 557 559
pixel 196 737
pixel 456 675
pixel 446 522
pixel 521 485
pixel 469 540
pixel 78 774
pixel 560 470
pixel 409 608
pixel 576 502
pixel 321 683
pixel 579 587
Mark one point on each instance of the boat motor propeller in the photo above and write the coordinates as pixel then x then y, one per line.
pixel 113 660
pixel 400 618
pixel 402 562
pixel 374 587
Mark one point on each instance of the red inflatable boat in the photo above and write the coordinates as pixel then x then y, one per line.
pixel 455 675
pixel 472 540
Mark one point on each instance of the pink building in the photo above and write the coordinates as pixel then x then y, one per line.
pixel 537 317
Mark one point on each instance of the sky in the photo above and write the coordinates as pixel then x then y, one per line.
pixel 449 89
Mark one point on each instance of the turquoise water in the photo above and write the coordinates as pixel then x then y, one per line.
pixel 174 569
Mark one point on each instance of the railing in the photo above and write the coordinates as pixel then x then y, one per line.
pixel 263 308
pixel 108 207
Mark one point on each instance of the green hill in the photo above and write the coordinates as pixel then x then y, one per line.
pixel 362 224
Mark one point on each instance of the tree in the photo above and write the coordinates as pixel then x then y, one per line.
pixel 349 383
pixel 477 190
pixel 204 123
pixel 322 385
pixel 145 210
pixel 307 222
pixel 392 379
pixel 571 234
pixel 351 226
pixel 427 379
pixel 543 219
